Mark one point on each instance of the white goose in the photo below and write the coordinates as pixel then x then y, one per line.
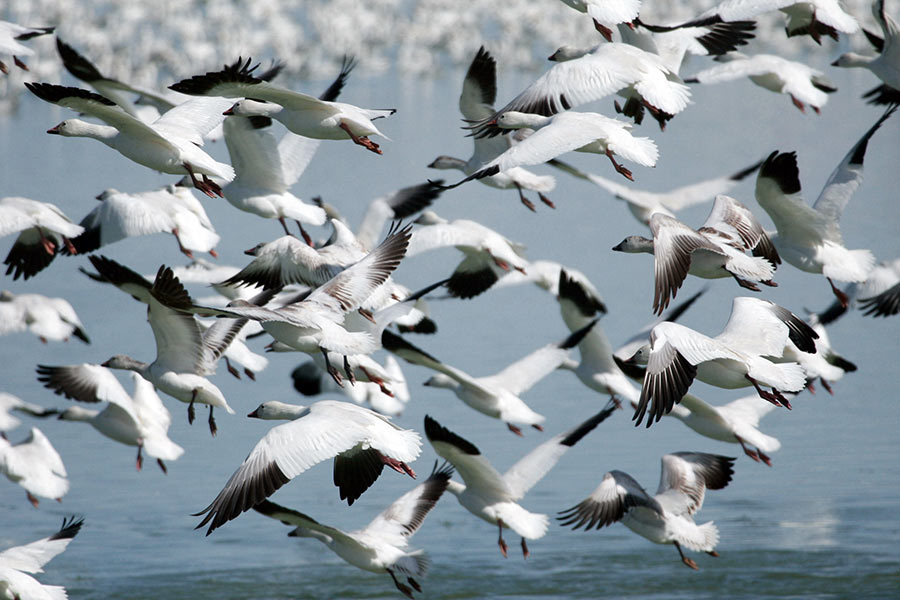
pixel 171 209
pixel 360 441
pixel 10 403
pixel 48 318
pixel 886 65
pixel 494 497
pixel 666 517
pixel 302 114
pixel 809 237
pixel 380 547
pixel 43 230
pixel 185 353
pixel 805 17
pixel 497 395
pixel 643 203
pixel 587 77
pixel 607 13
pixel 714 251
pixel 315 324
pixel 487 254
pixel 879 296
pixel 171 144
pixel 737 357
pixel 476 103
pixel 801 82
pixel 549 275
pixel 34 464
pixel 17 562
pixel 565 132
pixel 10 36
pixel 138 420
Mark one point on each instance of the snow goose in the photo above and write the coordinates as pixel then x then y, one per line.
pixel 886 65
pixel 380 547
pixel 397 205
pixel 802 83
pixel 360 441
pixel 606 14
pixel 476 103
pixel 9 403
pixel 549 275
pixel 494 497
pixel 809 237
pixel 715 250
pixel 34 464
pixel 185 353
pixel 567 131
pixel 703 36
pixel 487 254
pixel 595 75
pixel 315 324
pixel 138 420
pixel 48 318
pixel 265 169
pixel 879 296
pixel 171 209
pixel 643 203
pixel 171 144
pixel 18 561
pixel 302 114
pixel 667 516
pixel 737 357
pixel 736 423
pixel 805 17
pixel 10 36
pixel 825 364
pixel 497 395
pixel 43 229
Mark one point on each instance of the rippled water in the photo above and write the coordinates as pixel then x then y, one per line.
pixel 821 523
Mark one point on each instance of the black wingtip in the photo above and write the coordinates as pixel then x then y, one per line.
pixel 435 432
pixel 782 168
pixel 588 426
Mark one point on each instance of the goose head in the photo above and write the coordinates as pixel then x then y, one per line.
pixel 253 108
pixel 635 244
pixel 278 411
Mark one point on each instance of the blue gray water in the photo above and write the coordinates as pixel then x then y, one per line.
pixel 821 523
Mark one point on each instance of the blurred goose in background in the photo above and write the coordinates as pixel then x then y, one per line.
pixel 300 113
pixel 476 103
pixel 565 132
pixel 48 318
pixel 34 464
pixel 549 276
pixel 643 203
pixel 809 237
pixel 171 209
pixel 886 65
pixel 10 403
pixel 814 18
pixel 581 77
pixel 802 83
pixel 18 561
pixel 714 251
pixel 487 254
pixel 185 353
pixel 360 441
pixel 138 420
pixel 494 497
pixel 740 356
pixel 497 395
pixel 879 296
pixel 666 517
pixel 170 144
pixel 11 35
pixel 825 365
pixel 43 230
pixel 382 545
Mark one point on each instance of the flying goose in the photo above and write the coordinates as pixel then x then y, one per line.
pixel 43 230
pixel 360 440
pixel 494 497
pixel 17 562
pixel 34 464
pixel 382 545
pixel 667 516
